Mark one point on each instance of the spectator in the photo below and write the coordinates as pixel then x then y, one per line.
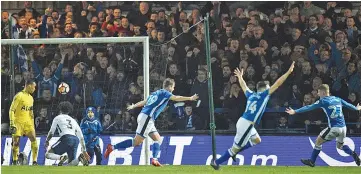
pixel 19 83
pixel 282 124
pixel 93 92
pixel 311 121
pixel 174 73
pixel 5 25
pixel 42 121
pixel 107 123
pixel 45 80
pixel 200 87
pixel 324 43
pixel 357 128
pixel 191 120
pixel 351 116
pixel 308 9
pixel 235 102
pixel 28 8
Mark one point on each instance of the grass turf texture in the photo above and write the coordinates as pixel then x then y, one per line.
pixel 176 169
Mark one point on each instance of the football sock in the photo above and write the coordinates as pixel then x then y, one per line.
pixel 34 150
pixel 15 152
pixel 52 156
pixel 156 149
pixel 124 144
pixel 223 158
pixel 75 162
pixel 347 149
pixel 314 155
pixel 248 145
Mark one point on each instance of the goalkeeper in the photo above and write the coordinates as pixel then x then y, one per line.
pixel 22 120
pixel 91 128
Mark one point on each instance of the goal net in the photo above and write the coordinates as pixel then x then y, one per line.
pixel 106 73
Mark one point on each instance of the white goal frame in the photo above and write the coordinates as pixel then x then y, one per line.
pixel 101 40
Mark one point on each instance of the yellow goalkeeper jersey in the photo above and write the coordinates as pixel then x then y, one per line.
pixel 22 106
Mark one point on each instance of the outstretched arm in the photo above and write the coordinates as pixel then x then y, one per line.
pixel 182 98
pixel 60 67
pixel 350 106
pixel 304 109
pixel 241 81
pixel 282 79
pixel 137 105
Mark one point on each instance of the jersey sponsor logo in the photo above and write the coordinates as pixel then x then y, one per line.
pixel 333 162
pixel 27 108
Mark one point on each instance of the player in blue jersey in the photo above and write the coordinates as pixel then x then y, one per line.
pixel 332 106
pixel 247 135
pixel 153 106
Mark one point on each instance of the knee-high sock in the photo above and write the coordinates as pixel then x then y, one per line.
pixel 347 149
pixel 15 148
pixel 223 158
pixel 34 150
pixel 156 149
pixel 315 152
pixel 124 144
pixel 52 156
pixel 248 145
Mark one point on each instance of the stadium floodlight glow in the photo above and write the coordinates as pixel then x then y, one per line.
pixel 99 40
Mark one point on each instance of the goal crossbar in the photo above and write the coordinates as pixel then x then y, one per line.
pixel 100 40
pixel 74 40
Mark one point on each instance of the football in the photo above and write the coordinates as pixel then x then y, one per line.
pixel 63 88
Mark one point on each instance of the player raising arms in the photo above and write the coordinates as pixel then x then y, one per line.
pixel 247 135
pixel 332 106
pixel 153 106
pixel 70 134
pixel 22 120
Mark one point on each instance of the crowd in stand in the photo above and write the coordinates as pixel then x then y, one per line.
pixel 324 41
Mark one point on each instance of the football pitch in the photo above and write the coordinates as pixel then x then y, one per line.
pixel 176 169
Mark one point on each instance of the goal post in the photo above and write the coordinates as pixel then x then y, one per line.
pixel 97 40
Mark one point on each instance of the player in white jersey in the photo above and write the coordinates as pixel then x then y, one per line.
pixel 247 135
pixel 70 134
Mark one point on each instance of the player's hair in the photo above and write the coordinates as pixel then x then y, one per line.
pixel 29 82
pixel 65 107
pixel 168 82
pixel 262 85
pixel 324 87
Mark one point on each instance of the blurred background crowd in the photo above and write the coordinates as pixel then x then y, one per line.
pixel 263 38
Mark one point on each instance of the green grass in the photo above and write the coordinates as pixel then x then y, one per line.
pixel 175 169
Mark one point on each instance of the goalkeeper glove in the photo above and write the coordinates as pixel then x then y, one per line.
pixel 12 129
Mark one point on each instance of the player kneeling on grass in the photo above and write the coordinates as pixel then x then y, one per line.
pixel 247 135
pixel 153 106
pixel 91 128
pixel 332 106
pixel 70 134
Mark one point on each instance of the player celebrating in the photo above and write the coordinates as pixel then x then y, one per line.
pixel 22 120
pixel 332 106
pixel 153 106
pixel 70 134
pixel 247 135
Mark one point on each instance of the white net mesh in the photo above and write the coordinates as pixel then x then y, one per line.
pixel 104 75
